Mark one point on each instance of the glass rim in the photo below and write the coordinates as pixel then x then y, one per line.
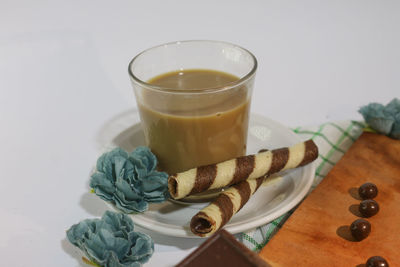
pixel 220 88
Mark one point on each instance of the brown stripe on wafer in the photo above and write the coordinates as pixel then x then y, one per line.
pixel 279 159
pixel 205 176
pixel 259 182
pixel 311 152
pixel 244 191
pixel 244 166
pixel 225 205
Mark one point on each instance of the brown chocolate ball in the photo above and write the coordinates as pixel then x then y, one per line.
pixel 377 261
pixel 360 229
pixel 368 208
pixel 368 191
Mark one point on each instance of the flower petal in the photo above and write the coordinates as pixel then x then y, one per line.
pixel 101 182
pixel 145 156
pixel 143 249
pixel 155 186
pixel 395 133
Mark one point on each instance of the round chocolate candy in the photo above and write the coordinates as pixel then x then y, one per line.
pixel 368 208
pixel 377 261
pixel 368 191
pixel 360 229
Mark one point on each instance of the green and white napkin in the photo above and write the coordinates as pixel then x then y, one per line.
pixel 333 140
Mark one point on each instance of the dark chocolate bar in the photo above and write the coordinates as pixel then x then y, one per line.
pixel 222 249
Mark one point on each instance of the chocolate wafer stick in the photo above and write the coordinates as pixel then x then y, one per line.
pixel 220 211
pixel 233 171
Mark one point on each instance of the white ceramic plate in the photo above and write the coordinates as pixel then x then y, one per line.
pixel 267 204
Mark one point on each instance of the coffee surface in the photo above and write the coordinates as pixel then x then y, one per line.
pixel 194 79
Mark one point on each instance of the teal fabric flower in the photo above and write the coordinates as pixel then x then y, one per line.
pixel 129 181
pixel 383 119
pixel 111 241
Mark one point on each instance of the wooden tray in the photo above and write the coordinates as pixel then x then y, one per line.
pixel 317 234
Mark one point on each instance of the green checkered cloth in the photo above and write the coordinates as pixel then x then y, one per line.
pixel 333 140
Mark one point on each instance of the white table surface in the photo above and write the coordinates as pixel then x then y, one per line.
pixel 63 79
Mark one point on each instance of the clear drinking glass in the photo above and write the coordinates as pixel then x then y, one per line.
pixel 187 128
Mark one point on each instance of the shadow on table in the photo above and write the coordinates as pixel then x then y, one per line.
pixel 73 252
pixel 345 233
pixel 355 210
pixel 122 130
pixel 354 193
pixel 178 242
pixel 93 204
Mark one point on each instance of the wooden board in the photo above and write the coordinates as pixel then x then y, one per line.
pixel 317 234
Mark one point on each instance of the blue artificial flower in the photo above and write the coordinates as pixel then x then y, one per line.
pixel 111 241
pixel 129 181
pixel 383 119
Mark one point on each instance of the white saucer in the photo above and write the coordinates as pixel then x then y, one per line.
pixel 267 204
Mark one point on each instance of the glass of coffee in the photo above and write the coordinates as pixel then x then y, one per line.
pixel 194 100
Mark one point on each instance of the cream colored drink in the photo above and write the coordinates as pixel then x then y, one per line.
pixel 187 132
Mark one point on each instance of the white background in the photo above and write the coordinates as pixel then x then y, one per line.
pixel 63 78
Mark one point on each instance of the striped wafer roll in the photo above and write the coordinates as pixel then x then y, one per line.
pixel 233 171
pixel 220 211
